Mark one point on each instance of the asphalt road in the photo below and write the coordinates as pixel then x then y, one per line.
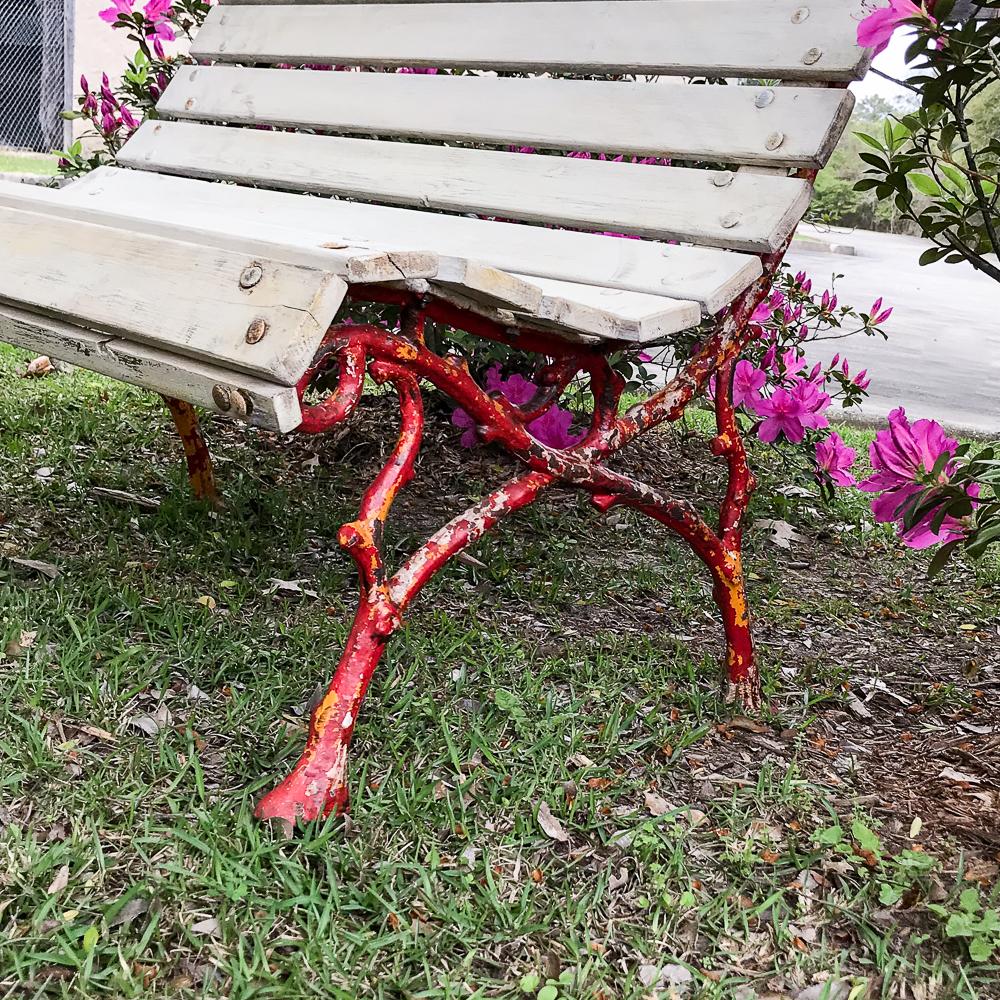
pixel 942 359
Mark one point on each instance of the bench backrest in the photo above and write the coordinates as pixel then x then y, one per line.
pixel 298 129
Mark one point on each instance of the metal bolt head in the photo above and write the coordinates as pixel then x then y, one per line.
pixel 812 56
pixel 241 404
pixel 189 104
pixel 722 178
pixel 251 276
pixel 800 15
pixel 763 98
pixel 730 220
pixel 774 140
pixel 223 397
pixel 256 331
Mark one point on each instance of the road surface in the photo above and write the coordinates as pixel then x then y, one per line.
pixel 942 359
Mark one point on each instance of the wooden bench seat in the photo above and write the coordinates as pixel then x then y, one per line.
pixel 389 210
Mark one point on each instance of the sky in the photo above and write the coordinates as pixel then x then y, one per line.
pixel 893 62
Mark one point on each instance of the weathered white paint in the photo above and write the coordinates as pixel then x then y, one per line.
pixel 717 124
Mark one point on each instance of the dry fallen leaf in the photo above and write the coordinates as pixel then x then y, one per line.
pixel 60 881
pixel 656 804
pixel 550 825
pixel 950 774
pixel 747 725
pixel 39 367
pixel 152 724
pixel 781 533
pixel 21 642
pixel 45 568
pixel 207 928
pixel 207 601
pixel 289 587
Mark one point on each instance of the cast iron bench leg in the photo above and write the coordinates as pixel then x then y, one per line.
pixel 199 460
pixel 317 785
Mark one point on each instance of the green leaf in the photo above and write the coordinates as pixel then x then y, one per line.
pixel 969 900
pixel 925 185
pixel 980 949
pixel 870 140
pixel 889 895
pixel 90 938
pixel 867 840
pixel 529 983
pixel 548 992
pixel 955 176
pixel 831 836
pixel 960 925
pixel 941 558
pixel 932 256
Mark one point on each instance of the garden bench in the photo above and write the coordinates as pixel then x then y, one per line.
pixel 225 295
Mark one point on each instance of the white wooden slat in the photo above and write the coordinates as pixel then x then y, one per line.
pixel 271 406
pixel 183 297
pixel 355 262
pixel 714 123
pixel 713 278
pixel 766 38
pixel 612 313
pixel 748 212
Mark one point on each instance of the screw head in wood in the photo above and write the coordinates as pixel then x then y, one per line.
pixel 189 104
pixel 774 140
pixel 251 276
pixel 241 404
pixel 729 220
pixel 722 178
pixel 257 330
pixel 800 15
pixel 763 98
pixel 812 56
pixel 222 395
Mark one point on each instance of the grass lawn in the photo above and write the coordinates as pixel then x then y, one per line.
pixel 27 163
pixel 153 689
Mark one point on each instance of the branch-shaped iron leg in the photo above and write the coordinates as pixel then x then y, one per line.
pixel 721 551
pixel 318 784
pixel 199 459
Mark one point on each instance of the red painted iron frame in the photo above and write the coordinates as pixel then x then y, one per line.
pixel 317 785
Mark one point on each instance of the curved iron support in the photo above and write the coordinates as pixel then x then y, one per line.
pixel 318 783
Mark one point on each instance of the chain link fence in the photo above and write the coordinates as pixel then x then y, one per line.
pixel 36 65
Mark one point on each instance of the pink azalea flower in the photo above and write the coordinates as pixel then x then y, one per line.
pixel 903 457
pixel 875 31
pixel 552 428
pixel 747 384
pixel 766 309
pixel 834 460
pixel 792 363
pixel 469 438
pixel 813 402
pixel 782 414
pixel 118 7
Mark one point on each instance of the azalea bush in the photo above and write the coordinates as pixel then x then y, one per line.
pixel 114 112
pixel 940 168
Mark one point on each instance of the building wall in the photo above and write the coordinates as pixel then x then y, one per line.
pixel 98 48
